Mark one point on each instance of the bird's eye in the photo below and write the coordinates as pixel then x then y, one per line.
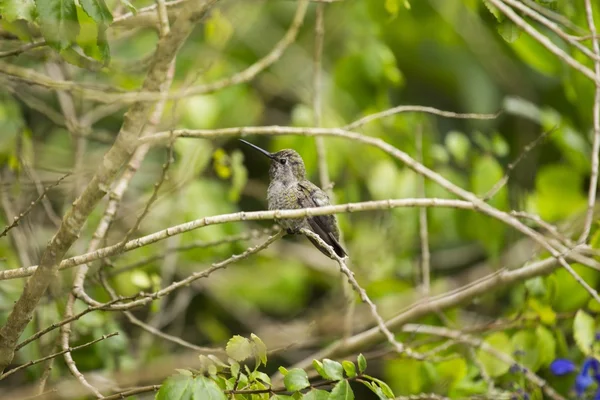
pixel 283 161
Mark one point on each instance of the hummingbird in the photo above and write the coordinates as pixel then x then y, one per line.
pixel 289 189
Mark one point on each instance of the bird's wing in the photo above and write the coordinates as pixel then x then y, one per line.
pixel 323 225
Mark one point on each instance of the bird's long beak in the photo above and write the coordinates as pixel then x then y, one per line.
pixel 255 147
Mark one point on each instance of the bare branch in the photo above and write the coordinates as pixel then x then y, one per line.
pixel 30 363
pixel 24 213
pixel 119 153
pixel 240 216
pixel 596 116
pixel 478 343
pixel 422 109
pixel 399 347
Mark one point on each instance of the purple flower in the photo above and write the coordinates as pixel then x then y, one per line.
pixel 562 366
pixel 584 380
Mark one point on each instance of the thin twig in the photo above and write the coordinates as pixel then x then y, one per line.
pixel 65 333
pixel 423 227
pixel 240 216
pixel 596 116
pixel 56 325
pixel 153 197
pixel 478 343
pixel 108 95
pixel 23 49
pixel 133 392
pixel 421 109
pixel 54 355
pixel 253 234
pixel 544 40
pixel 31 205
pixel 510 167
pixel 184 282
pixel 399 347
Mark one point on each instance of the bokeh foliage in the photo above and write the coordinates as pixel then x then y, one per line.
pixel 463 56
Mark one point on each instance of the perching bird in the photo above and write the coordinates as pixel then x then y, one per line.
pixel 289 189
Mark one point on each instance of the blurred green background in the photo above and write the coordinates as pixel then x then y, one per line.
pixel 449 54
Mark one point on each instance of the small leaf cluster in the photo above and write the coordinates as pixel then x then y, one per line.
pixel 217 379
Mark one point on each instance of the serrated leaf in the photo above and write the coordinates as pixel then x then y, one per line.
pixel 362 363
pixel 296 379
pixel 239 348
pixel 12 10
pixel 316 394
pixel 259 346
pixel 584 330
pixel 58 21
pixel 494 11
pixel 341 391
pixel 333 370
pixel 349 368
pixel 98 10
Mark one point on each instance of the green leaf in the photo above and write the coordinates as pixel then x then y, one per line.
pixel 239 348
pixel 546 344
pixel 584 329
pixel 281 397
pixel 98 10
pixel 283 370
pixel 316 394
pixel 350 368
pixel 458 145
pixel 375 389
pixel 58 21
pixel 558 192
pixel 318 365
pixel 296 379
pixel 333 370
pixel 362 363
pixel 12 10
pixel 260 348
pixel 206 389
pixel 491 364
pixel 525 345
pixel 184 372
pixel 341 391
pixel 509 31
pixel 392 7
pixel 176 388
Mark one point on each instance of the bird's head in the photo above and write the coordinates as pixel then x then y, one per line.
pixel 286 164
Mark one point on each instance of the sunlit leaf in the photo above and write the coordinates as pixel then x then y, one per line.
pixel 12 10
pixel 584 331
pixel 296 379
pixel 239 348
